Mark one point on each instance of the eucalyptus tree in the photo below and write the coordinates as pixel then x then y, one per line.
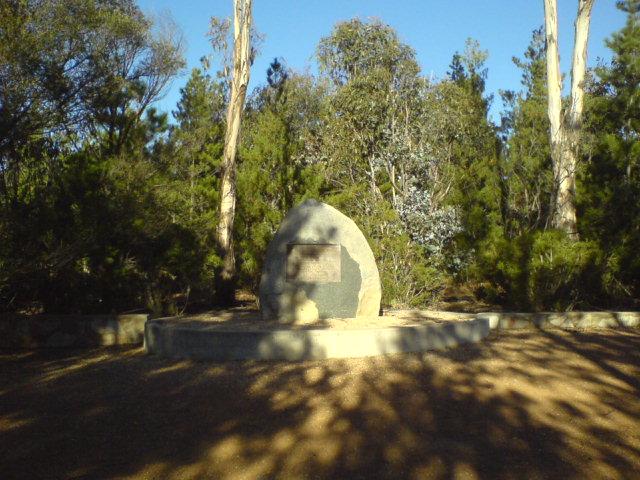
pixel 380 163
pixel 68 84
pixel 564 131
pixel 376 86
pixel 242 20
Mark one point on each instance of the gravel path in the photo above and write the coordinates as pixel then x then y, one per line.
pixel 522 404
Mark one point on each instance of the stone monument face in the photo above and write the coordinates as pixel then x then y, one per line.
pixel 318 265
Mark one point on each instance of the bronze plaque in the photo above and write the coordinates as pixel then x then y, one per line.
pixel 313 263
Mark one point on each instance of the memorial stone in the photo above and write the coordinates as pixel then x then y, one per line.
pixel 318 265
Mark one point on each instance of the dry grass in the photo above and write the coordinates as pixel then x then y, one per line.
pixel 525 404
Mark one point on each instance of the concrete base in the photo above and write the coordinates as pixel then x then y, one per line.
pixel 200 339
pixel 195 340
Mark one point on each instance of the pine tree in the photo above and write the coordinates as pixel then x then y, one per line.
pixel 199 139
pixel 526 164
pixel 474 163
pixel 610 185
pixel 193 167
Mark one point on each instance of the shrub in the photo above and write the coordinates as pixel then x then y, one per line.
pixel 562 273
pixel 541 270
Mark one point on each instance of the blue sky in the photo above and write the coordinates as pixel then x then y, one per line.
pixel 435 29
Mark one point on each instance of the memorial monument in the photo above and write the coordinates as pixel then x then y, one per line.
pixel 318 265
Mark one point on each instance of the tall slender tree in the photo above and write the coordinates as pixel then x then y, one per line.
pixel 239 84
pixel 564 132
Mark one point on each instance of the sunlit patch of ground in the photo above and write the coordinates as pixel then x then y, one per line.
pixel 522 404
pixel 236 319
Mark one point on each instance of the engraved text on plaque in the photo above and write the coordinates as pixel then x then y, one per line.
pixel 313 263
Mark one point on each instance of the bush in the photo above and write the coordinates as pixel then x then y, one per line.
pixel 541 270
pixel 562 273
pixel 501 267
pixel 408 279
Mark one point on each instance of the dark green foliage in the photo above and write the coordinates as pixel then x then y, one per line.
pixel 105 207
pixel 475 166
pixel 191 168
pixel 544 270
pixel 79 214
pixel 521 263
pixel 562 273
pixel 526 159
pixel 609 188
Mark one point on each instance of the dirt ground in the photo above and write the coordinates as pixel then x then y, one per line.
pixel 235 319
pixel 520 405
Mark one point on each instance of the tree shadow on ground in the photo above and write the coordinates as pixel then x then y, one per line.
pixel 520 405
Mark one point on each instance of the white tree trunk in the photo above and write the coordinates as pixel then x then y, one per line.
pixel 562 204
pixel 239 84
pixel 564 135
pixel 579 66
pixel 554 77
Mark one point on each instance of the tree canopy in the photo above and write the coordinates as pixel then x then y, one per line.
pixel 107 204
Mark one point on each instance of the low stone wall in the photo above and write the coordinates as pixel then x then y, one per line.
pixel 562 319
pixel 30 331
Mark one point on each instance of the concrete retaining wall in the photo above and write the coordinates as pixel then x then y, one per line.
pixel 29 331
pixel 170 339
pixel 562 319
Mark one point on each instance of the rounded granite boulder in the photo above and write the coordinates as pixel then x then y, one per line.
pixel 318 265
